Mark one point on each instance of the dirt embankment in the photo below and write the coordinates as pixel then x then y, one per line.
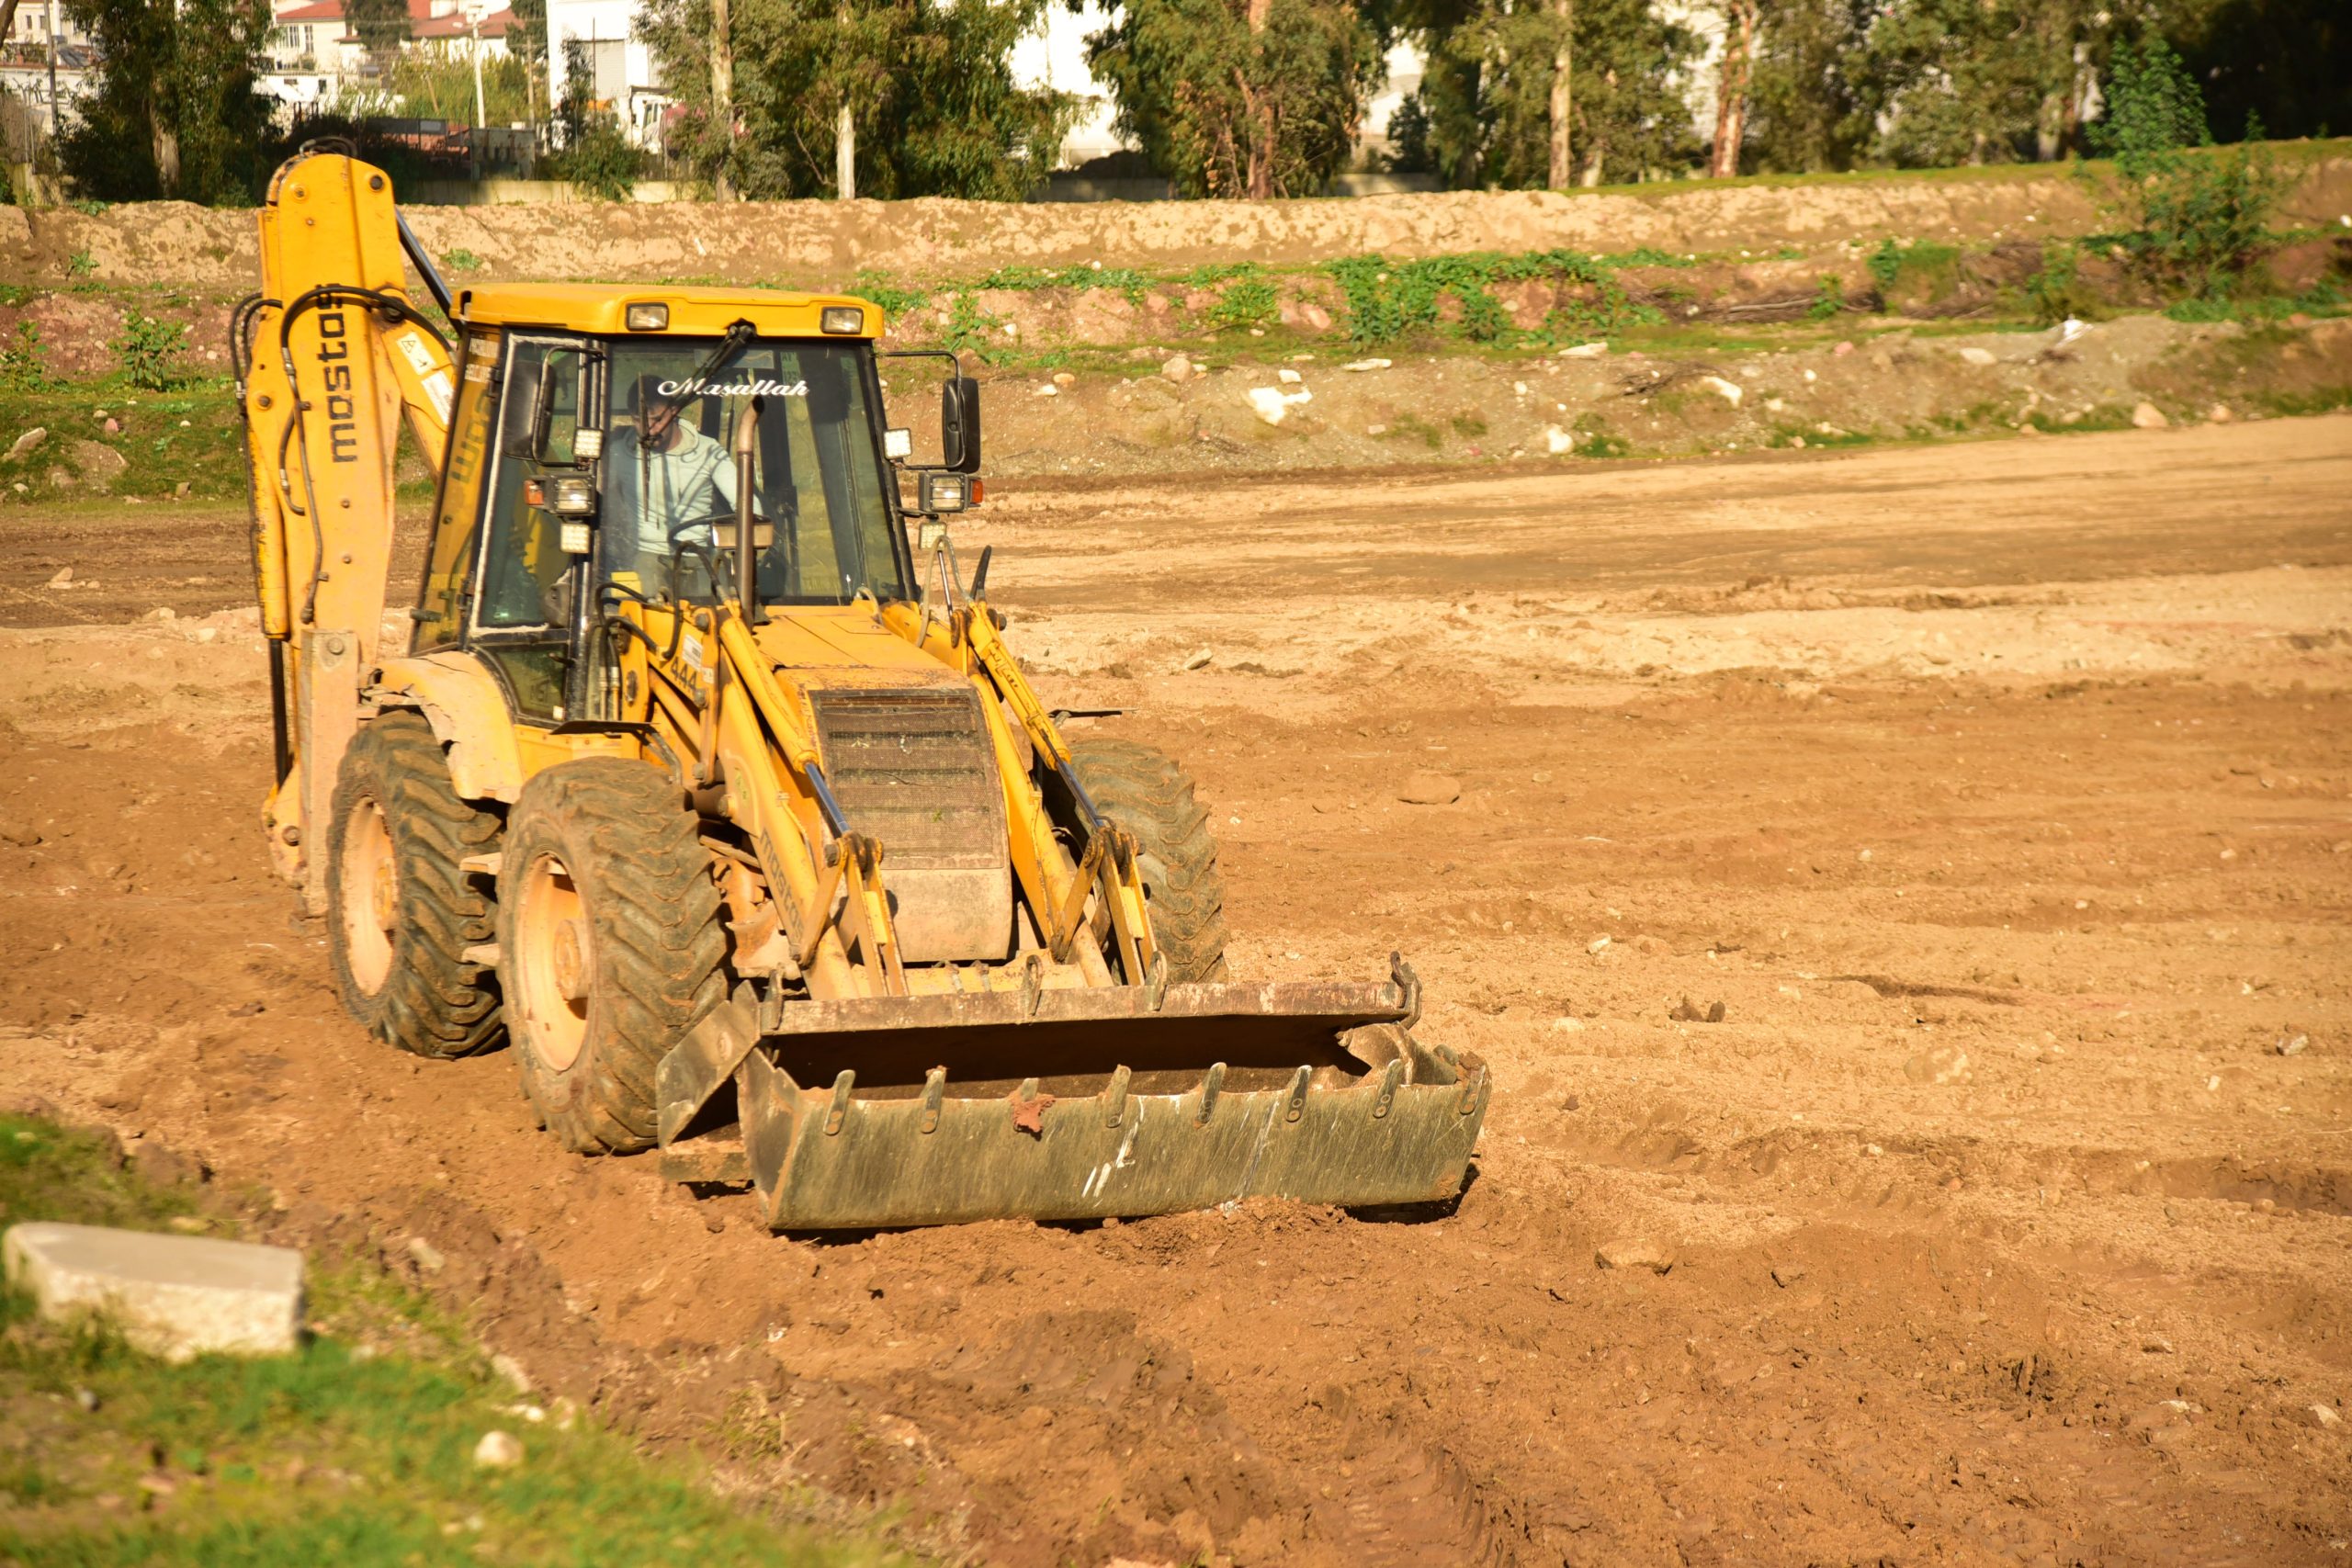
pixel 2002 798
pixel 823 244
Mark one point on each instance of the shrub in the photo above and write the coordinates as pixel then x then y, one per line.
pixel 150 351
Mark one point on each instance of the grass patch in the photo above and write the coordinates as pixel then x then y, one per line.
pixel 345 1452
pixel 190 436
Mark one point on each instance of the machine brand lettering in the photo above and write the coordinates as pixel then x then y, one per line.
pixel 343 413
pixel 758 387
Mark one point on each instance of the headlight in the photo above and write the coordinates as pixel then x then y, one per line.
pixel 942 493
pixel 648 318
pixel 843 320
pixel 571 495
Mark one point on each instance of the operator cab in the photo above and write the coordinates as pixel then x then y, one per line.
pixel 597 452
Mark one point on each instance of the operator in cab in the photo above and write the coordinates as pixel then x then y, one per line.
pixel 663 473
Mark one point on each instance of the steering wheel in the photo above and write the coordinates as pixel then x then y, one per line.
pixel 719 562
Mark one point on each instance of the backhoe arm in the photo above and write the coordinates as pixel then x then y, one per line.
pixel 329 354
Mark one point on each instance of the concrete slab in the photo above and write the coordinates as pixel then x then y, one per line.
pixel 174 1296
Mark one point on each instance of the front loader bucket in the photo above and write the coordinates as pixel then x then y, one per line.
pixel 1311 1092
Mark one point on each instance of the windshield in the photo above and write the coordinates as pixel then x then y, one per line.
pixel 669 469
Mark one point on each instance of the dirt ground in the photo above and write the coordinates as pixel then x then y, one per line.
pixel 2001 793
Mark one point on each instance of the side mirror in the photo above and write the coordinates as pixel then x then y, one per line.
pixel 959 424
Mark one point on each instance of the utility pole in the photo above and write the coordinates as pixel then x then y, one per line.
pixel 474 12
pixel 52 76
pixel 845 130
pixel 722 97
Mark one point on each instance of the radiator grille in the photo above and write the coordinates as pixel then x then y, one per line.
pixel 915 770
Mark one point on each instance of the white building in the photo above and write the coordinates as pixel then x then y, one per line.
pixel 24 62
pixel 623 79
pixel 314 60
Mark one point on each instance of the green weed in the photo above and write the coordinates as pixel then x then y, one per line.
pixel 149 352
pixel 24 364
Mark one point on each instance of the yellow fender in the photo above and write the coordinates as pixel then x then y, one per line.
pixel 464 704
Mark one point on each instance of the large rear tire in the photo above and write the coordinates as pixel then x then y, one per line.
pixel 609 945
pixel 401 911
pixel 1146 793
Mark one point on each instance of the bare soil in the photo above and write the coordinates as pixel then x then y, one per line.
pixel 2000 794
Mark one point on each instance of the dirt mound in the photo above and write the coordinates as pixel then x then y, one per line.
pixel 822 244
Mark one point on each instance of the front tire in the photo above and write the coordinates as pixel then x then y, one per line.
pixel 609 945
pixel 401 910
pixel 1146 792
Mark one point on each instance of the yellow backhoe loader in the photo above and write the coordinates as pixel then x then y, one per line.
pixel 699 783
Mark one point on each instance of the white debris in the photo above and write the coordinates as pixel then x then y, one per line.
pixel 1977 356
pixel 1365 365
pixel 1586 351
pixel 1729 391
pixel 1273 405
pixel 1558 442
pixel 1289 377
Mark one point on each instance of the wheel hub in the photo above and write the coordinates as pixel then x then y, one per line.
pixel 371 895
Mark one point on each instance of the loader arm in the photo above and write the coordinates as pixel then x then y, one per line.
pixel 329 354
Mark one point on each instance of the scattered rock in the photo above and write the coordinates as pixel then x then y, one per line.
pixel 1597 945
pixel 1787 1274
pixel 1365 365
pixel 1977 356
pixel 27 441
pixel 1289 377
pixel 1729 391
pixel 1691 1012
pixel 2293 1047
pixel 2156 1345
pixel 2163 1424
pixel 101 464
pixel 1842 350
pixel 1635 1252
pixel 428 1257
pixel 1586 351
pixel 497 1450
pixel 86 1400
pixel 2147 416
pixel 1198 659
pixel 61 577
pixel 2220 414
pixel 174 1296
pixel 2324 1418
pixel 1064 379
pixel 1177 368
pixel 1047 390
pixel 1938 1065
pixel 1558 442
pixel 507 1368
pixel 1427 788
pixel 161 1166
pixel 1567 1025
pixel 113 427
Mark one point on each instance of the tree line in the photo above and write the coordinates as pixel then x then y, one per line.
pixel 1265 98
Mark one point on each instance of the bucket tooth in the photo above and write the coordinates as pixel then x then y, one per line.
pixel 1115 1098
pixel 934 1092
pixel 837 1111
pixel 1294 1103
pixel 1212 1085
pixel 1390 1077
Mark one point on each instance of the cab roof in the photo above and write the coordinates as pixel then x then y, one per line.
pixel 602 308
